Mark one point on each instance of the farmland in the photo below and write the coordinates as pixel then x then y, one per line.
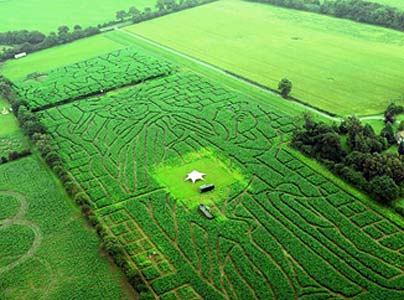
pixel 46 251
pixel 324 57
pixel 47 15
pixel 112 70
pixel 11 137
pixel 283 222
pixel 59 56
pixel 131 112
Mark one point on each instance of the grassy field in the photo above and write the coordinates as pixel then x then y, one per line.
pixel 337 65
pixel 47 15
pixel 11 137
pixel 46 249
pixel 50 59
pixel 58 56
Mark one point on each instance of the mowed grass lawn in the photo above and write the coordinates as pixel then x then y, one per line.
pixel 59 56
pixel 8 123
pixel 48 15
pixel 336 65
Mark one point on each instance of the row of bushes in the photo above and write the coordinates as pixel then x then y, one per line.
pixel 356 10
pixel 38 134
pixel 14 155
pixel 164 7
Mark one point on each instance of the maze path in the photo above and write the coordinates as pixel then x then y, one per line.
pixel 102 73
pixel 288 234
pixel 18 219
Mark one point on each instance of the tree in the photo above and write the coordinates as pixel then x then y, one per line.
pixel 384 189
pixel 133 11
pixel 77 28
pixel 388 133
pixel 285 87
pixel 63 30
pixel 160 5
pixel 401 126
pixel 120 15
pixel 401 148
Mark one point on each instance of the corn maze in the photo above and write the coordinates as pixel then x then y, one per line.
pixel 96 75
pixel 286 233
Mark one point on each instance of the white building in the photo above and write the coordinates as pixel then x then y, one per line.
pixel 19 55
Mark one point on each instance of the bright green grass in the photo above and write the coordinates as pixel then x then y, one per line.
pixel 58 56
pixel 48 15
pixel 172 177
pixel 11 137
pixel 58 256
pixel 8 123
pixel 337 65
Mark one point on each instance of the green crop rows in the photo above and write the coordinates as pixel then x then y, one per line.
pixel 46 250
pixel 286 233
pixel 112 70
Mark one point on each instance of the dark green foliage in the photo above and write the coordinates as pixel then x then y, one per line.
pixel 30 41
pixel 401 148
pixel 364 161
pixel 357 10
pixel 319 139
pixel 285 87
pixel 388 133
pixel 384 189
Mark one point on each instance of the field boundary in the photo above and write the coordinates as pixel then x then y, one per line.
pixel 251 83
pixel 346 187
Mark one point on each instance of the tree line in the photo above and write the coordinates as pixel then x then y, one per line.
pixel 356 10
pixel 362 159
pixel 162 7
pixel 31 41
pixel 41 138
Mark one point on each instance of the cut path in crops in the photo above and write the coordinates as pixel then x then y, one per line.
pixel 48 15
pixel 290 232
pixel 47 251
pixel 337 65
pixel 18 219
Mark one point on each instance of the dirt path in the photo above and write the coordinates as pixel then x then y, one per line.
pixel 18 219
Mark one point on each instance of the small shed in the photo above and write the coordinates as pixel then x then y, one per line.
pixel 20 55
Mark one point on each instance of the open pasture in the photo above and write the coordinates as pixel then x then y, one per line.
pixel 48 15
pixel 46 250
pixel 96 75
pixel 287 231
pixel 11 137
pixel 336 65
pixel 59 56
